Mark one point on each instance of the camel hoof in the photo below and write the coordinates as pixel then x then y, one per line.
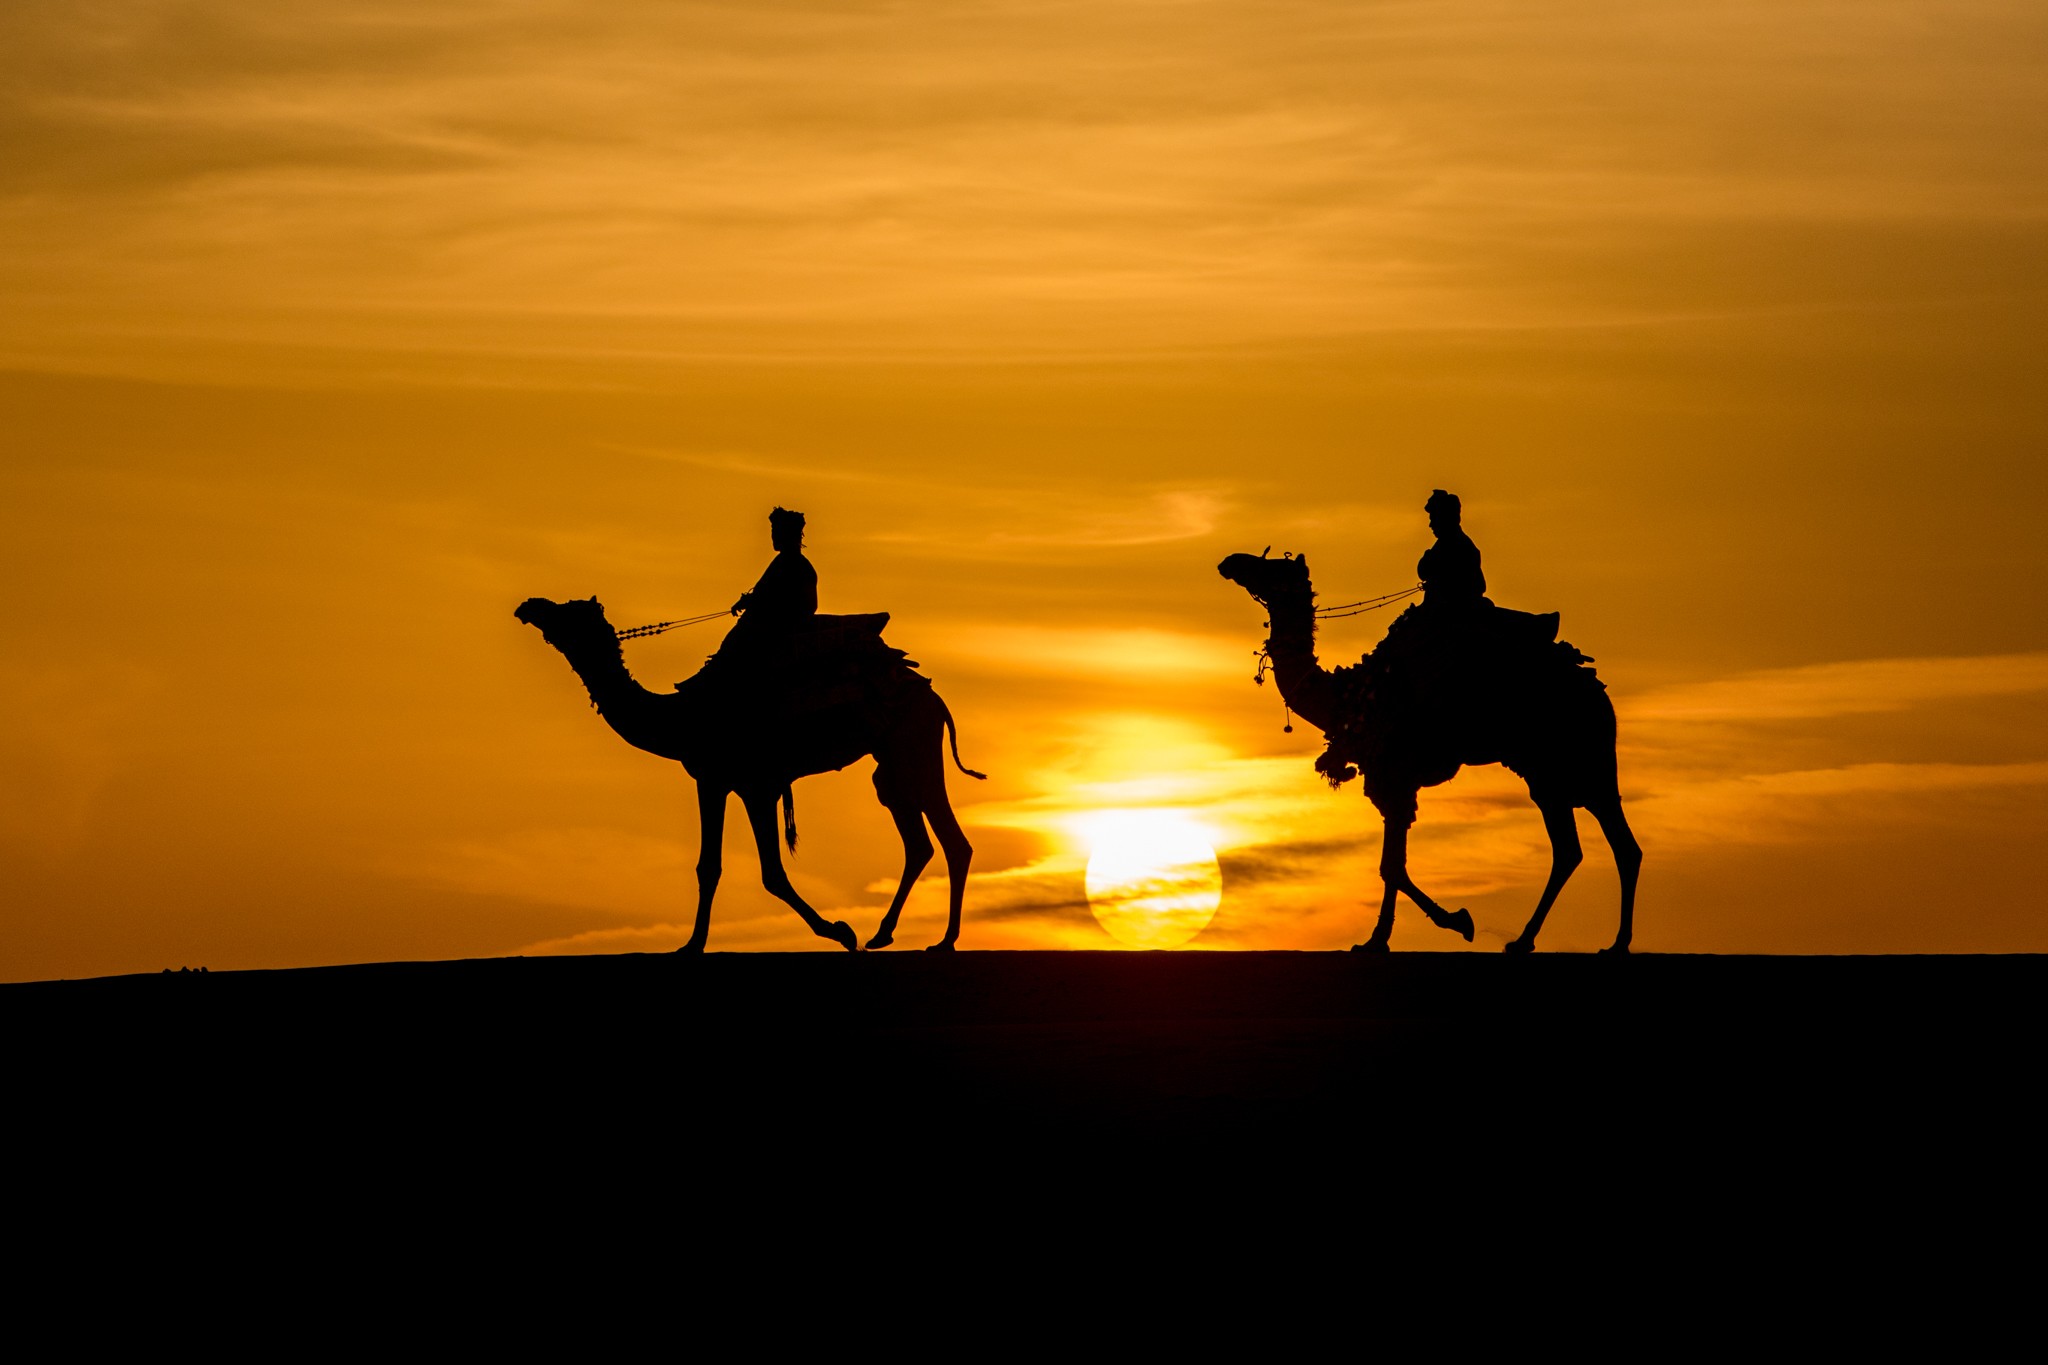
pixel 843 933
pixel 690 949
pixel 1369 946
pixel 1520 945
pixel 945 947
pixel 1462 922
pixel 882 939
pixel 1614 950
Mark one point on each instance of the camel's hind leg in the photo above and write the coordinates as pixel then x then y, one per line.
pixel 910 779
pixel 1394 875
pixel 1628 860
pixel 917 851
pixel 761 815
pixel 1565 855
pixel 959 854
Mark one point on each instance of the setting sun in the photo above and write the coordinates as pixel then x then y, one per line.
pixel 1153 879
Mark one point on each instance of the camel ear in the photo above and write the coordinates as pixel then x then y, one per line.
pixel 1303 561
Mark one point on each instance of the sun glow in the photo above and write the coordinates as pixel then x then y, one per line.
pixel 1153 879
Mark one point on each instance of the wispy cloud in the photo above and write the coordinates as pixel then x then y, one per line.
pixel 1860 687
pixel 1075 654
pixel 1035 178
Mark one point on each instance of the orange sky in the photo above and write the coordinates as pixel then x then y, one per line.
pixel 331 334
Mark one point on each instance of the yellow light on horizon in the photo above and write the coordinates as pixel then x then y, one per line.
pixel 1153 879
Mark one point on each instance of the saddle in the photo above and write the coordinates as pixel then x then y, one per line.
pixel 824 663
pixel 1452 674
pixel 823 636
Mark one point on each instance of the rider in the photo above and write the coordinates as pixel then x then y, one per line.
pixel 783 603
pixel 1455 610
pixel 1453 584
pixel 787 595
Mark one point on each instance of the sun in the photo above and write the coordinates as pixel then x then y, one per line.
pixel 1153 879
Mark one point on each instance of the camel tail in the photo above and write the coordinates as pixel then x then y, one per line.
pixel 789 817
pixel 953 734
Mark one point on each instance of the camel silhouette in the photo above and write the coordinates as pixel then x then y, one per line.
pixel 730 747
pixel 1549 721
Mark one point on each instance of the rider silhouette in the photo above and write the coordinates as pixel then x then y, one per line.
pixel 787 594
pixel 1457 622
pixel 1451 578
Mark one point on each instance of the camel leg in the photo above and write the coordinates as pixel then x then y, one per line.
pixel 1393 869
pixel 710 861
pixel 1628 860
pixel 761 815
pixel 1384 925
pixel 1394 876
pixel 917 851
pixel 959 854
pixel 1565 856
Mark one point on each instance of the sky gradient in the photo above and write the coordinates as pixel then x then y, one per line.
pixel 332 334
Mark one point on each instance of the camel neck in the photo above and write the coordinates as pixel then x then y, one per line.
pixel 1292 647
pixel 604 674
pixel 625 705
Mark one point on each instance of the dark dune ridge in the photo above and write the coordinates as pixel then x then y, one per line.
pixel 1308 1044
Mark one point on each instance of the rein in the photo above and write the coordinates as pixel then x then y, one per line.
pixel 1340 610
pixel 661 627
pixel 1335 612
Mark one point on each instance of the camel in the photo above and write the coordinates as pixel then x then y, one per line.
pixel 1553 726
pixel 696 726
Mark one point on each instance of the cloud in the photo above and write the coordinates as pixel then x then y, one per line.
pixel 1288 861
pixel 1834 803
pixel 1075 653
pixel 1861 687
pixel 1014 179
pixel 1022 522
pixel 648 938
pixel 755 466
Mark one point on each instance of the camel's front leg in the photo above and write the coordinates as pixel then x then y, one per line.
pixel 1393 871
pixel 710 860
pixel 761 815
pixel 1394 876
pixel 1565 856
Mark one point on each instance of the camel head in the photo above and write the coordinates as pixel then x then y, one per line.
pixel 1268 579
pixel 571 627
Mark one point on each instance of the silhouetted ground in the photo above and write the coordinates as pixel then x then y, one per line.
pixel 1276 1130
pixel 1057 1053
